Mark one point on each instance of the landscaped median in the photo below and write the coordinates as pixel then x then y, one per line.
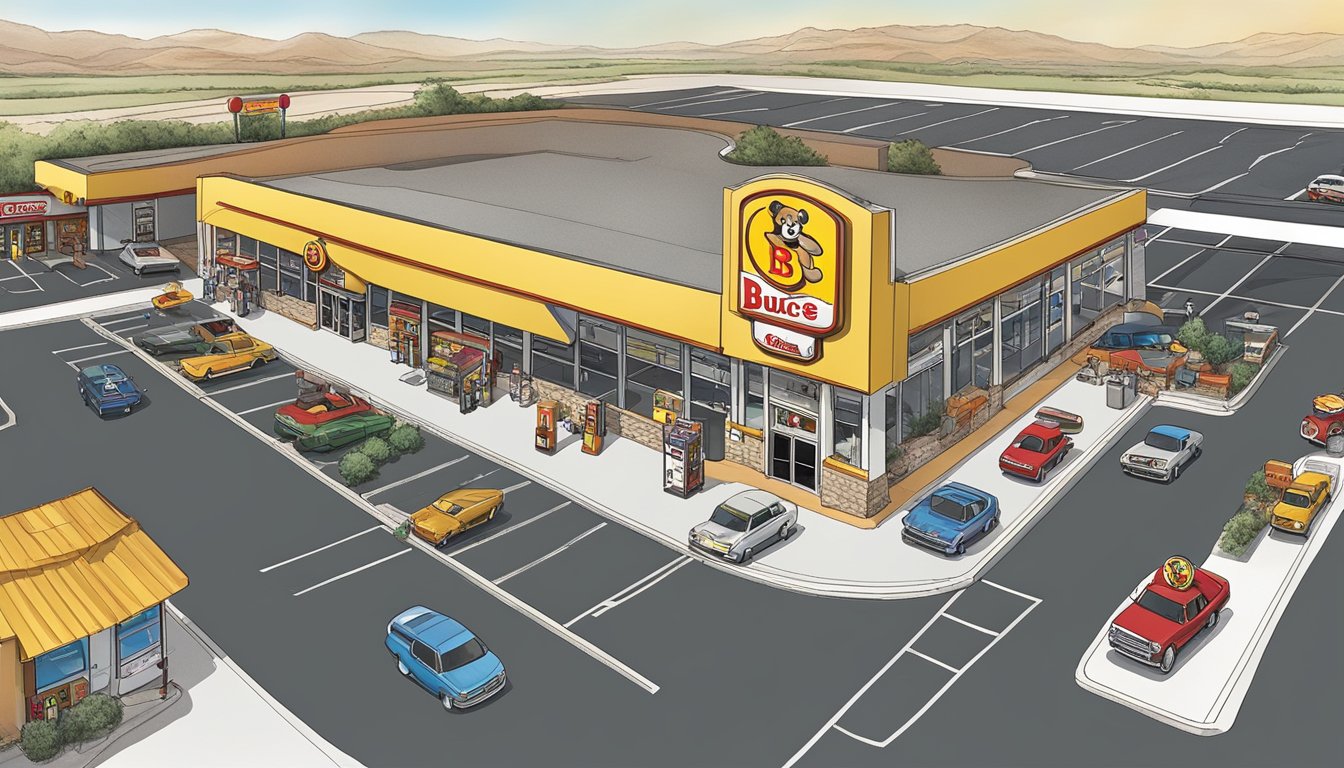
pixel 1204 691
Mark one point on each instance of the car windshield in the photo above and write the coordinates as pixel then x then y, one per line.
pixel 1162 442
pixel 1296 499
pixel 1163 606
pixel 447 507
pixel 463 654
pixel 730 517
pixel 1152 339
pixel 951 509
pixel 1031 443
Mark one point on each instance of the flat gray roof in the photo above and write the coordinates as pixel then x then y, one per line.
pixel 649 200
pixel 145 158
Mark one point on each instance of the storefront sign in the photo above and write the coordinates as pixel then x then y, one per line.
pixel 315 255
pixel 140 663
pixel 791 273
pixel 16 208
pixel 260 106
pixel 1178 573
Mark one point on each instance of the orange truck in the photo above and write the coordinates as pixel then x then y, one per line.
pixel 1305 496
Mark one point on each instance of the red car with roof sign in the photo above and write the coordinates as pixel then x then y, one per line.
pixel 1036 450
pixel 1168 612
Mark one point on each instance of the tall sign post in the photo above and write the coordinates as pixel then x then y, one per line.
pixel 257 105
pixel 235 105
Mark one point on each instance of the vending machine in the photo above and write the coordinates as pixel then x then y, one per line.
pixel 683 458
pixel 548 416
pixel 594 426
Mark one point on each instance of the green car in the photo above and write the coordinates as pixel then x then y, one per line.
pixel 322 435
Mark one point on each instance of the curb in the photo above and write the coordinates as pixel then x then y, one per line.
pixel 360 502
pixel 83 314
pixel 90 751
pixel 1211 407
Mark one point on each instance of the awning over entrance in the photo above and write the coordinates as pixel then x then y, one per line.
pixel 73 567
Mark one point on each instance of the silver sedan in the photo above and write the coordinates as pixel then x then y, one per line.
pixel 744 525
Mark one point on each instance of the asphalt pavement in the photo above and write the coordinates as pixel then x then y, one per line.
pixel 28 283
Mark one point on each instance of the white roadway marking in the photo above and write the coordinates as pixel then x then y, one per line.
pixel 1244 278
pixel 550 554
pixel 687 98
pixel 735 112
pixel 353 571
pixel 11 420
pixel 72 349
pixel 1010 130
pixel 1173 165
pixel 1315 307
pixel 931 660
pixel 1234 133
pixel 110 276
pixel 319 549
pixel 264 407
pixel 1278 151
pixel 1156 237
pixel 882 122
pixel 509 529
pixel 1223 183
pixel 1183 262
pixel 133 328
pixel 841 114
pixel 71 363
pixel 1296 194
pixel 976 627
pixel 516 486
pixel 952 120
pixel 130 319
pixel 1252 165
pixel 416 476
pixel 1131 149
pixel 645 582
pixel 710 101
pixel 1247 299
pixel 24 272
pixel 1114 124
pixel 245 385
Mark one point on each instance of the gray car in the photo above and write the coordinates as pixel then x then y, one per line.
pixel 744 525
pixel 1163 452
pixel 148 257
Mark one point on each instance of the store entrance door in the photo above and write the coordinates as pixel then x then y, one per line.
pixel 342 315
pixel 13 241
pixel 793 458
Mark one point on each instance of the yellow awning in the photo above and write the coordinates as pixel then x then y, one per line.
pixel 73 567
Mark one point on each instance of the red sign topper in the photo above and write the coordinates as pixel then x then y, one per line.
pixel 24 208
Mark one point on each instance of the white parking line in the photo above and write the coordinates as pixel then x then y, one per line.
pixel 952 120
pixel 24 272
pixel 549 555
pixel 245 385
pixel 415 477
pixel 1173 165
pixel 1314 307
pixel 687 98
pixel 932 660
pixel 1131 149
pixel 352 572
pixel 841 114
pixel 516 486
pixel 976 627
pixel 645 582
pixel 71 363
pixel 1247 299
pixel 509 529
pixel 709 101
pixel 132 328
pixel 320 549
pixel 72 349
pixel 1244 278
pixel 1183 262
pixel 1157 237
pixel 1010 130
pixel 1280 151
pixel 1222 183
pixel 1296 194
pixel 264 407
pixel 1115 124
pixel 734 112
pixel 130 319
pixel 110 276
pixel 882 122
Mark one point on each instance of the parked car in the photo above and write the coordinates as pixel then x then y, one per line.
pixel 456 512
pixel 1163 452
pixel 444 657
pixel 1325 420
pixel 1304 500
pixel 745 524
pixel 1327 188
pixel 950 518
pixel 1137 336
pixel 1036 450
pixel 227 354
pixel 148 257
pixel 333 434
pixel 107 389
pixel 185 339
pixel 1165 614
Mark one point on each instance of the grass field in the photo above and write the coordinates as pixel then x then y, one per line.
pixel 1320 85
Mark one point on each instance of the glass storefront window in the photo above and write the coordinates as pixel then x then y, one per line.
pixel 847 426
pixel 973 345
pixel 893 421
pixel 795 391
pixel 651 362
pixel 444 317
pixel 599 359
pixel 65 662
pixel 507 346
pixel 476 326
pixel 378 306
pixel 1087 289
pixel 1054 310
pixel 1113 273
pixel 1021 328
pixel 247 246
pixel 269 258
pixel 921 394
pixel 291 274
pixel 138 634
pixel 754 416
pixel 552 361
pixel 711 382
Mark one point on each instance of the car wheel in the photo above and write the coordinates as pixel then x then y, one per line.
pixel 402 668
pixel 1175 472
pixel 1213 620
pixel 961 548
pixel 209 374
pixel 746 555
pixel 256 363
pixel 785 532
pixel 1168 660
pixel 447 701
pixel 128 409
pixel 1199 451
pixel 444 541
pixel 993 523
pixel 1040 475
pixel 137 271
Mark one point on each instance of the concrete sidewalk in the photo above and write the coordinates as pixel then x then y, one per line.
pixel 827 557
pixel 89 306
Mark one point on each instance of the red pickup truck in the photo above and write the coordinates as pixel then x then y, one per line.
pixel 1168 612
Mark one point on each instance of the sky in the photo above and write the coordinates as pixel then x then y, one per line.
pixel 628 23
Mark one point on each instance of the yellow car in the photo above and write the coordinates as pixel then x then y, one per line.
pixel 455 512
pixel 229 353
pixel 1308 495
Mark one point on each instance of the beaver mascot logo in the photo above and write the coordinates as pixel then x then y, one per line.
pixel 789 242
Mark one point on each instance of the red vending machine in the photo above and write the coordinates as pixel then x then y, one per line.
pixel 683 458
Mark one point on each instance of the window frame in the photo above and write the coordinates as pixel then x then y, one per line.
pixel 83 646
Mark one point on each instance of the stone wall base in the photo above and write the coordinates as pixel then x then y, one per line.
pixel 853 495
pixel 287 306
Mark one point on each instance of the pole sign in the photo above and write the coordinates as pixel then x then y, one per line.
pixel 248 106
pixel 791 272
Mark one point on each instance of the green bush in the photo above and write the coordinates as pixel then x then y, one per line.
pixel 1218 350
pixel 1193 334
pixel 1257 488
pixel 377 449
pixel 912 156
pixel 1241 530
pixel 356 468
pixel 405 438
pixel 764 145
pixel 1241 374
pixel 91 718
pixel 39 741
pixel 928 422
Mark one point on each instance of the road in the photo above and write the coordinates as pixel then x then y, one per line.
pixel 1206 158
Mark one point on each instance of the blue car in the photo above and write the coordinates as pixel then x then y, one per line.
pixel 107 389
pixel 950 518
pixel 444 657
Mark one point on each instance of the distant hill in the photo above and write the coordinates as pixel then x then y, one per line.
pixel 27 50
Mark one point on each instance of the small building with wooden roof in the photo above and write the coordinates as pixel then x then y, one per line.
pixel 81 595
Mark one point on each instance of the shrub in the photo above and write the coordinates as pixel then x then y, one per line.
pixel 377 449
pixel 89 719
pixel 356 468
pixel 912 156
pixel 39 741
pixel 1257 488
pixel 1241 530
pixel 1193 334
pixel 928 422
pixel 1241 374
pixel 405 438
pixel 764 145
pixel 1218 350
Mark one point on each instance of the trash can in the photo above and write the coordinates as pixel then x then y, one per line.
pixel 713 433
pixel 1334 445
pixel 1120 390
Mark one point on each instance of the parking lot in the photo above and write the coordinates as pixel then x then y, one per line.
pixel 29 283
pixel 1164 154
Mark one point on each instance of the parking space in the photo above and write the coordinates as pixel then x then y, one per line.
pixel 1291 281
pixel 29 283
pixel 1209 270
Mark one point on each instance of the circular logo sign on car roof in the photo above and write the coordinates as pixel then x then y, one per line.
pixel 1178 573
pixel 315 255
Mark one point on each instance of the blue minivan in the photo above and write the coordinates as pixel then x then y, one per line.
pixel 444 657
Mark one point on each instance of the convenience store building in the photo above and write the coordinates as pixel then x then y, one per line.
pixel 823 316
